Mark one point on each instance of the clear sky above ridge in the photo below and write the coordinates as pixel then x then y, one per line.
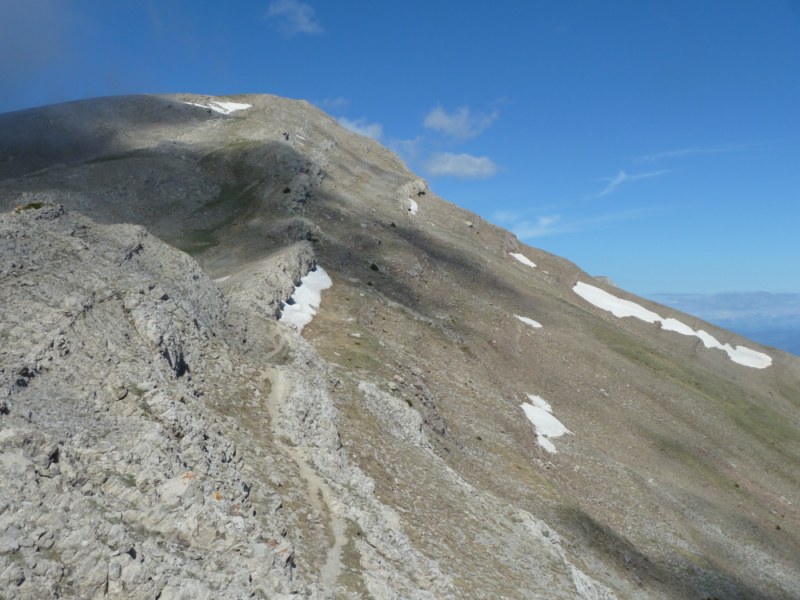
pixel 657 143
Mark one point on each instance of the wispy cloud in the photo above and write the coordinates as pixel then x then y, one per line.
pixel 332 103
pixel 552 225
pixel 296 17
pixel 156 20
pixel 541 227
pixel 780 308
pixel 362 127
pixel 460 124
pixel 464 166
pixel 694 151
pixel 407 149
pixel 623 177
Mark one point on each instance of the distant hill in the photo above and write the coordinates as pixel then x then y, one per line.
pixel 771 319
pixel 787 339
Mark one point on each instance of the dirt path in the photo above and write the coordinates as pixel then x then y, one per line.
pixel 320 495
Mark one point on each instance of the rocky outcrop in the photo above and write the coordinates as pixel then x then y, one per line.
pixel 121 419
pixel 264 285
pixel 118 479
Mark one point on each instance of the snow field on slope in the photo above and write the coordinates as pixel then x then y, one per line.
pixel 523 259
pixel 620 307
pixel 224 108
pixel 546 426
pixel 527 321
pixel 413 207
pixel 303 305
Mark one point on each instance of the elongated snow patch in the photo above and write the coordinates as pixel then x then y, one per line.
pixel 303 304
pixel 413 207
pixel 620 307
pixel 224 108
pixel 546 426
pixel 527 321
pixel 523 259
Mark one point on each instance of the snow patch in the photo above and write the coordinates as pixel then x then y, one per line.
pixel 224 108
pixel 303 305
pixel 677 327
pixel 740 354
pixel 527 321
pixel 546 426
pixel 620 307
pixel 523 259
pixel 413 207
pixel 221 279
pixel 616 306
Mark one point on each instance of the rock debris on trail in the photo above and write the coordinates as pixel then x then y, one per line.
pixel 164 435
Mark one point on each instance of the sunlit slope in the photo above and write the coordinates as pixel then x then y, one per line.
pixel 479 381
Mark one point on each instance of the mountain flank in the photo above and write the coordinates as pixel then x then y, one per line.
pixel 455 421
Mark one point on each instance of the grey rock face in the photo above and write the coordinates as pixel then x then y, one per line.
pixel 123 481
pixel 118 481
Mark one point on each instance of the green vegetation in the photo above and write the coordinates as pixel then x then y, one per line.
pixel 195 241
pixel 350 578
pixel 119 156
pixel 691 459
pixel 29 206
pixel 238 197
pixel 752 414
pixel 631 348
pixel 698 560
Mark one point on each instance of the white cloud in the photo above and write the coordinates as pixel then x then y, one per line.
pixel 695 150
pixel 460 123
pixel 763 306
pixel 623 177
pixel 338 102
pixel 465 166
pixel 543 226
pixel 362 127
pixel 550 225
pixel 407 149
pixel 297 17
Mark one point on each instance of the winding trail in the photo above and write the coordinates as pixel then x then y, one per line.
pixel 320 495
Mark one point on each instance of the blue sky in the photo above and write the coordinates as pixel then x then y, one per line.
pixel 657 143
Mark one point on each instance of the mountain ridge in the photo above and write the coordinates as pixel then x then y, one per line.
pixel 400 406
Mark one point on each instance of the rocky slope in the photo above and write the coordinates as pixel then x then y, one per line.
pixel 162 434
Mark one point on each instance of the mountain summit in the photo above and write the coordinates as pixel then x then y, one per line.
pixel 247 353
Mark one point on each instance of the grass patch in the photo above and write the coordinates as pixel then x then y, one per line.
pixel 195 241
pixel 350 577
pixel 30 206
pixel 679 453
pixel 237 199
pixel 115 157
pixel 629 347
pixel 698 560
pixel 753 415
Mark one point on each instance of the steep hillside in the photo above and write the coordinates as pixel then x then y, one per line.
pixel 464 417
